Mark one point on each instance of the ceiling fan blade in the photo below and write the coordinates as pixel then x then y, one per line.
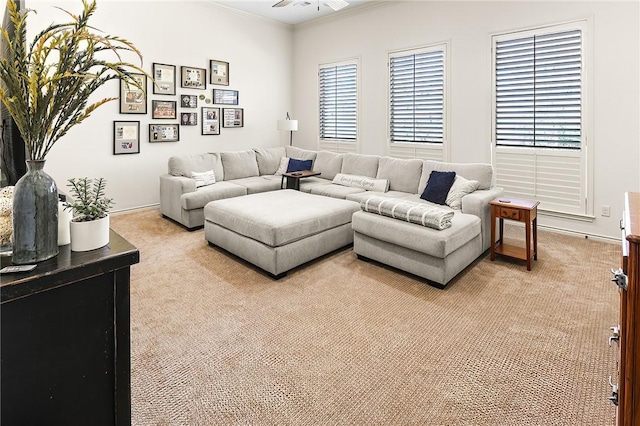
pixel 336 4
pixel 282 3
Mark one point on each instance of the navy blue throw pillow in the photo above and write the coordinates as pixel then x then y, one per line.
pixel 296 165
pixel 438 186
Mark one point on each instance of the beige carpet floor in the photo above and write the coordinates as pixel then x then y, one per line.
pixel 341 341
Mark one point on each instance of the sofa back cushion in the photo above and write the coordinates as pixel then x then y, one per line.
pixel 269 159
pixel 300 154
pixel 183 165
pixel 329 164
pixel 360 164
pixel 239 164
pixel 481 172
pixel 403 175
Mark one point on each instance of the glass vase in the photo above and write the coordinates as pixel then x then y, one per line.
pixel 35 216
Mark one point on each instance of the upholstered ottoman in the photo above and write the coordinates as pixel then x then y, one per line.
pixel 279 230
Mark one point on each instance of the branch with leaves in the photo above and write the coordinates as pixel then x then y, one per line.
pixel 89 201
pixel 46 88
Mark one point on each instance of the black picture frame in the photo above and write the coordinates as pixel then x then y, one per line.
pixel 210 121
pixel 232 117
pixel 188 101
pixel 133 99
pixel 189 118
pixel 126 137
pixel 163 109
pixel 164 132
pixel 193 78
pixel 225 97
pixel 219 72
pixel 164 79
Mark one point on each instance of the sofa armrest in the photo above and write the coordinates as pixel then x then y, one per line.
pixel 171 188
pixel 477 203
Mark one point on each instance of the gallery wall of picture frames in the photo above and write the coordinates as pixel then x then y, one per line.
pixel 164 80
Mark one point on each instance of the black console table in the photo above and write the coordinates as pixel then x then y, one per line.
pixel 65 342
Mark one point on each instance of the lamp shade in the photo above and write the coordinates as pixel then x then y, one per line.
pixel 288 125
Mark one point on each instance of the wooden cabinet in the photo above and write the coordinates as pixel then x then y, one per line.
pixel 628 280
pixel 65 349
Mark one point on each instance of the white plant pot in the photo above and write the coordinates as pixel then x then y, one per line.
pixel 91 235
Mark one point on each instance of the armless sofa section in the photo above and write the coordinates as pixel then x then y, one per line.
pixel 437 256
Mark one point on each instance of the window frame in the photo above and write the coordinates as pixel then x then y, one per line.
pixel 417 149
pixel 584 152
pixel 340 144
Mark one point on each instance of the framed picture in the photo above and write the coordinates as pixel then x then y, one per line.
pixel 210 121
pixel 163 109
pixel 126 137
pixel 219 72
pixel 189 118
pixel 133 99
pixel 164 132
pixel 193 78
pixel 188 101
pixel 164 77
pixel 232 117
pixel 225 97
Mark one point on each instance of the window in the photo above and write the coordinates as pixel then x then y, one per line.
pixel 538 90
pixel 539 132
pixel 338 87
pixel 416 95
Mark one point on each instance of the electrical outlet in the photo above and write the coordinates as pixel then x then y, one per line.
pixel 606 211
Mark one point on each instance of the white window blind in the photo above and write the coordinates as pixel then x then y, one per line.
pixel 416 95
pixel 539 90
pixel 338 101
pixel 539 118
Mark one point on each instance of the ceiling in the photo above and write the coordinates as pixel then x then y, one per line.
pixel 296 12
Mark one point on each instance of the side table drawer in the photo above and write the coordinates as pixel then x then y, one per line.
pixel 507 213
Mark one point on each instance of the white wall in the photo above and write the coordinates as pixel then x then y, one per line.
pixel 178 33
pixel 468 26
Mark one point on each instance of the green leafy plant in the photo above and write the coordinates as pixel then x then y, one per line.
pixel 89 202
pixel 47 85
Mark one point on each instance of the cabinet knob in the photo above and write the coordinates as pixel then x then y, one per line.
pixel 619 278
pixel 614 393
pixel 616 334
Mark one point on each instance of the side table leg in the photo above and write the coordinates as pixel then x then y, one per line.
pixel 535 238
pixel 528 240
pixel 493 234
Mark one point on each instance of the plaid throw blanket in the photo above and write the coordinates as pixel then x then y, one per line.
pixel 419 213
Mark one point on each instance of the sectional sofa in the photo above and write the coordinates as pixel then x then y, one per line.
pixel 437 255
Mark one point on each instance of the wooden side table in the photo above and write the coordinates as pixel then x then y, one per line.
pixel 519 210
pixel 293 178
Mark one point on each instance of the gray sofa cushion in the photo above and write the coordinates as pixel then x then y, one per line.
pixel 329 164
pixel 300 154
pixel 219 190
pixel 239 164
pixel 183 165
pixel 307 183
pixel 269 159
pixel 437 243
pixel 335 191
pixel 403 175
pixel 389 194
pixel 257 184
pixel 283 217
pixel 360 164
pixel 481 172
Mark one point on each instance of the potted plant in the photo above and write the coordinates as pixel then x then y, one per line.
pixel 46 86
pixel 90 208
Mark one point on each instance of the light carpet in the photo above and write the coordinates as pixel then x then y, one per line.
pixel 340 341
